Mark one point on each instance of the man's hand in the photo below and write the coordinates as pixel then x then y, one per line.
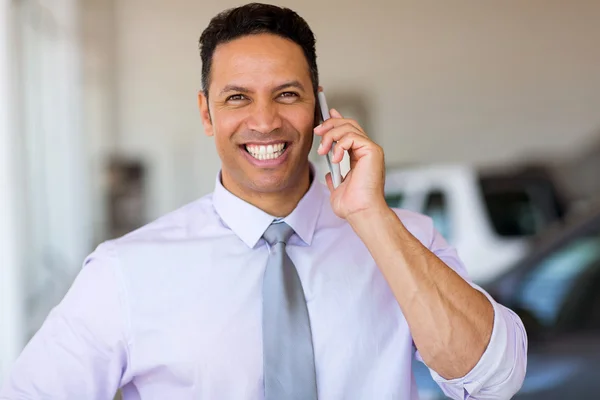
pixel 363 187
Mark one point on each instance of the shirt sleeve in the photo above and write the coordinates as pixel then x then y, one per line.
pixel 80 351
pixel 500 372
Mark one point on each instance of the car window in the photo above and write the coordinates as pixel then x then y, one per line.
pixel 551 283
pixel 436 207
pixel 513 213
pixel 394 199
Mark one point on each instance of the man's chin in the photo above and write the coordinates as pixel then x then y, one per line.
pixel 270 184
pixel 274 181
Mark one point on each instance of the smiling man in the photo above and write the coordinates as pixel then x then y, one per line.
pixel 259 104
pixel 274 286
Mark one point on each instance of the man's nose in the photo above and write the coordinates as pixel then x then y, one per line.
pixel 265 117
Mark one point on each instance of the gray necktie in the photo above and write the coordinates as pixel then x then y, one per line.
pixel 289 367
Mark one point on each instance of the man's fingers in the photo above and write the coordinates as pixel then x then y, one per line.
pixel 329 181
pixel 346 141
pixel 335 113
pixel 336 134
pixel 335 122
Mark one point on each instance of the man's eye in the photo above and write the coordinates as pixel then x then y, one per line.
pixel 236 97
pixel 288 97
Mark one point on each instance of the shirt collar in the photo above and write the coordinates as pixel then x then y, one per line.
pixel 249 222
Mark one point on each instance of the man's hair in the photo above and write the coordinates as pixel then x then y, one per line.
pixel 252 19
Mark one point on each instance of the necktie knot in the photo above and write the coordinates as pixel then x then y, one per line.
pixel 279 232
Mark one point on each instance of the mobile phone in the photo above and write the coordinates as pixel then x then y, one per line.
pixel 334 168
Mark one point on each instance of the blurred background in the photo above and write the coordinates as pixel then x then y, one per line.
pixel 489 114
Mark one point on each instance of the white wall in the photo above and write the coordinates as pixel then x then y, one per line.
pixel 11 299
pixel 53 163
pixel 99 103
pixel 469 80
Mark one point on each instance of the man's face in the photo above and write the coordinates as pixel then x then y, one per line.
pixel 260 109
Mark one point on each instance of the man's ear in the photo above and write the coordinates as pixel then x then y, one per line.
pixel 205 114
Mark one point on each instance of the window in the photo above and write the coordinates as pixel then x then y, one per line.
pixel 565 283
pixel 512 213
pixel 436 208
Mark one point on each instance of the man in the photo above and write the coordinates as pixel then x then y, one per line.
pixel 274 286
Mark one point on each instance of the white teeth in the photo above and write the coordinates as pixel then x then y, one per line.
pixel 268 152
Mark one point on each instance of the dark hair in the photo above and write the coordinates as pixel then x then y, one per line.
pixel 256 18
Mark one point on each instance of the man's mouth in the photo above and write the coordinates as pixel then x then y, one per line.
pixel 266 152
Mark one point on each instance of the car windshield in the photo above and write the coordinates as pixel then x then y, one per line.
pixel 520 207
pixel 513 213
pixel 553 281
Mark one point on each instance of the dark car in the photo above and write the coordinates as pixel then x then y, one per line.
pixel 556 292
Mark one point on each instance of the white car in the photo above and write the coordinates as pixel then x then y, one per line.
pixel 489 218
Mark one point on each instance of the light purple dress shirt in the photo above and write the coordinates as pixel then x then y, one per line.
pixel 173 311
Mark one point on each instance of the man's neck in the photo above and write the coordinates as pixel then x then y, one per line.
pixel 277 204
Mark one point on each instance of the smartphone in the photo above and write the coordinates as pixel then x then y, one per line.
pixel 334 168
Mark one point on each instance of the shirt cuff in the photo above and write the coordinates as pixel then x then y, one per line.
pixel 494 363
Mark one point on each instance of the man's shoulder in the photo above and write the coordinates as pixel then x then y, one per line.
pixel 178 224
pixel 166 241
pixel 188 222
pixel 419 225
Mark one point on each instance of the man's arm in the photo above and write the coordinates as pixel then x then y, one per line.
pixel 472 344
pixel 80 352
pixel 450 321
pixel 476 347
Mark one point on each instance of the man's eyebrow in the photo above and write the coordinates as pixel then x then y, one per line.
pixel 241 89
pixel 235 88
pixel 289 84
